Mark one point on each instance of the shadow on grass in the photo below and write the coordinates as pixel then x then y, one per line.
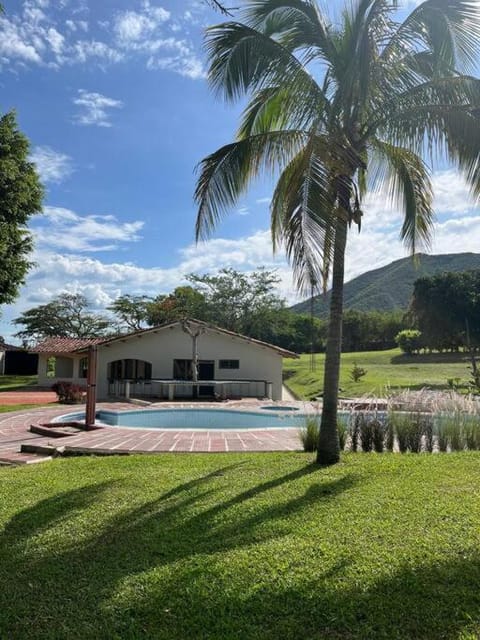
pixel 430 358
pixel 162 571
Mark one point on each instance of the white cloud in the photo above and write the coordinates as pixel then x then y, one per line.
pixel 187 65
pixel 452 194
pixel 36 34
pixel 94 108
pixel 66 241
pixel 84 50
pixel 136 28
pixel 63 229
pixel 142 33
pixel 52 165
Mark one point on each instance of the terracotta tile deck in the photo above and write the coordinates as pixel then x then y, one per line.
pixel 14 431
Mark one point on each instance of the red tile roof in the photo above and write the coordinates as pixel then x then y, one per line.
pixel 64 345
pixel 69 345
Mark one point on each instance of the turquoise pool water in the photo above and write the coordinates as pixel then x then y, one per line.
pixel 197 418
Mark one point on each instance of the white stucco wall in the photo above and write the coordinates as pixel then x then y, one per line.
pixel 67 368
pixel 162 347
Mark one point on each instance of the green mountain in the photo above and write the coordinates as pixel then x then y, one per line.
pixel 391 287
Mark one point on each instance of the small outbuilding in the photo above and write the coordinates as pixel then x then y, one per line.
pixel 182 359
pixel 16 361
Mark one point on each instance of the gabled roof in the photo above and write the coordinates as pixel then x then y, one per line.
pixel 64 345
pixel 210 327
pixel 4 346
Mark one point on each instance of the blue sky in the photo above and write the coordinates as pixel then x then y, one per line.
pixel 113 97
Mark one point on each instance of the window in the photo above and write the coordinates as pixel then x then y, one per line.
pixel 129 370
pixel 182 370
pixel 83 368
pixel 229 364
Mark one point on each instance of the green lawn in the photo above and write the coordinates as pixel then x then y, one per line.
pixel 7 408
pixel 10 383
pixel 230 546
pixel 384 369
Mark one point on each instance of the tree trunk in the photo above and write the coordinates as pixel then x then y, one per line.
pixel 328 444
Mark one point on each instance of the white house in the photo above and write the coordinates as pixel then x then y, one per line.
pixel 157 362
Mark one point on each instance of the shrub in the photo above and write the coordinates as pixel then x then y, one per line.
pixel 415 432
pixel 378 435
pixel 355 432
pixel 309 433
pixel 365 428
pixel 428 432
pixel 409 340
pixel 453 431
pixel 390 435
pixel 356 372
pixel 342 427
pixel 68 392
pixel 472 433
pixel 401 428
pixel 453 383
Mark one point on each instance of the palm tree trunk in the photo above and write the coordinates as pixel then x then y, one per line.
pixel 328 445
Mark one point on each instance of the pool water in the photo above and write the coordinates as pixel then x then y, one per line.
pixel 197 419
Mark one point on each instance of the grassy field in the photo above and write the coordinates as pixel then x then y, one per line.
pixel 10 383
pixel 228 547
pixel 384 369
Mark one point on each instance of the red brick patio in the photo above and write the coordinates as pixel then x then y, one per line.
pixel 14 431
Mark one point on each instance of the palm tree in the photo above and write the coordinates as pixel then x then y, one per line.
pixel 334 109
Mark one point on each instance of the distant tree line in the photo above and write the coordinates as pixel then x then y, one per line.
pixel 244 303
pixel 444 314
pixel 445 311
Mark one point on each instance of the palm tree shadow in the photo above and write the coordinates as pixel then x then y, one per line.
pixel 171 529
pixel 431 602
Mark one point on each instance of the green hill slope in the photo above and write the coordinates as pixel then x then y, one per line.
pixel 391 287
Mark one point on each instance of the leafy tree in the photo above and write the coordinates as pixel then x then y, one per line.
pixel 184 302
pixel 132 311
pixel 334 107
pixel 67 316
pixel 409 340
pixel 239 301
pixel 219 6
pixel 445 306
pixel 370 330
pixel 20 197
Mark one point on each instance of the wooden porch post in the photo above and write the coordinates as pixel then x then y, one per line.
pixel 91 386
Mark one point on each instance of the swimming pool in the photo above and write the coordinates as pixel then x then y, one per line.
pixel 183 418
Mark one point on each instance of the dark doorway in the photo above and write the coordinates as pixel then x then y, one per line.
pixel 206 371
pixel 21 363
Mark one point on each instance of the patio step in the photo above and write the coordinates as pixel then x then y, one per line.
pixel 16 458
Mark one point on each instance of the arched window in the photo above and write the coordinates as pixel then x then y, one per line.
pixel 129 370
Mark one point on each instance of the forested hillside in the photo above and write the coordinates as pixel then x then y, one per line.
pixel 391 287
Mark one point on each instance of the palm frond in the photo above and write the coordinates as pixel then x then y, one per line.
pixel 449 29
pixel 297 24
pixel 303 215
pixel 243 59
pixel 416 115
pixel 409 187
pixel 278 107
pixel 225 174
